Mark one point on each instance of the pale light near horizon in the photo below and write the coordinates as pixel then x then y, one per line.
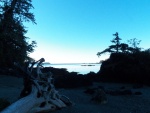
pixel 56 57
pixel 73 31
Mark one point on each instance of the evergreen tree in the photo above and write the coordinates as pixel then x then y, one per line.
pixel 116 40
pixel 122 47
pixel 114 48
pixel 13 42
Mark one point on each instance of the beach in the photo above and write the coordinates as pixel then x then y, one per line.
pixel 10 88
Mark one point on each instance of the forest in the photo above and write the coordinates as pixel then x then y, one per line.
pixel 14 45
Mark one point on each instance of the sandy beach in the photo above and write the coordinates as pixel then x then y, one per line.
pixel 10 88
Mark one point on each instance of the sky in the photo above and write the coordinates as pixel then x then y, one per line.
pixel 73 31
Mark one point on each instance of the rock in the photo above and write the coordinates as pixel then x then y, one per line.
pixel 138 93
pixel 90 91
pixel 126 68
pixel 137 86
pixel 120 92
pixel 123 87
pixel 99 96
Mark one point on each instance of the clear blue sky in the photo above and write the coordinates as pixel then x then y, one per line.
pixel 73 31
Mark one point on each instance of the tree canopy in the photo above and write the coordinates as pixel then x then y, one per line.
pixel 119 47
pixel 14 46
pixel 127 63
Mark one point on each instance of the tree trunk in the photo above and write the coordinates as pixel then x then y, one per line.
pixel 28 104
pixel 43 96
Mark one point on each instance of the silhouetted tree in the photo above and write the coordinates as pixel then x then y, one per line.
pixel 134 45
pixel 116 41
pixel 13 42
pixel 122 47
pixel 116 47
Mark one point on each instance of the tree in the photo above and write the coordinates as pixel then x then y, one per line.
pixel 124 47
pixel 116 40
pixel 134 45
pixel 13 42
pixel 114 48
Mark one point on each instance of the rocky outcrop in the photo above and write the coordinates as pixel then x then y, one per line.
pixel 125 68
pixel 65 79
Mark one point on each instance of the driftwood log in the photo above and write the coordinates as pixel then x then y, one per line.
pixel 39 94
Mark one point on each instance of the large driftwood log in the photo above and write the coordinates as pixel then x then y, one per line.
pixel 27 104
pixel 43 96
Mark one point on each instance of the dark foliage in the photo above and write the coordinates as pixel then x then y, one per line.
pixel 119 47
pixel 13 42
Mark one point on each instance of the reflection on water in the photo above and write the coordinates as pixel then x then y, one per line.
pixel 80 68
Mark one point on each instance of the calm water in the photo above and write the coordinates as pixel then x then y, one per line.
pixel 80 68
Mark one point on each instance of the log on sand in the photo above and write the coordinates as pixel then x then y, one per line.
pixel 43 96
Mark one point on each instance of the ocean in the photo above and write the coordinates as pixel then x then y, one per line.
pixel 81 68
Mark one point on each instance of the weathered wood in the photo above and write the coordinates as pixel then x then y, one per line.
pixel 24 105
pixel 43 96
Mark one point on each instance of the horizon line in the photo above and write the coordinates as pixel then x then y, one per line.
pixel 73 63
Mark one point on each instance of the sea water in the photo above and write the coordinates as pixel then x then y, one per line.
pixel 76 67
